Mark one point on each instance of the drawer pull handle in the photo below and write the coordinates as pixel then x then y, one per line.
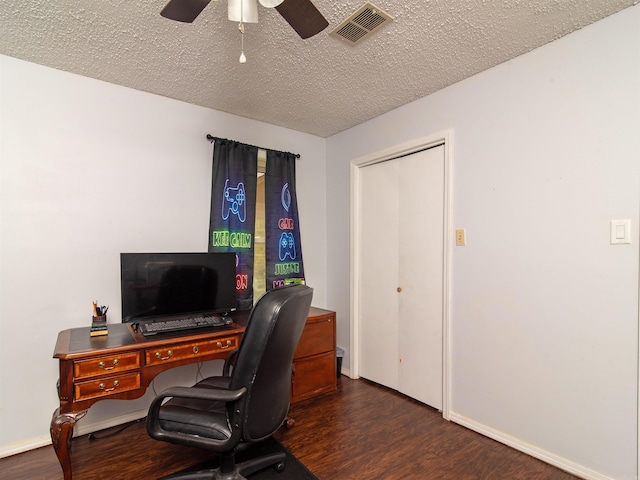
pixel 219 344
pixel 104 366
pixel 104 387
pixel 196 349
pixel 169 353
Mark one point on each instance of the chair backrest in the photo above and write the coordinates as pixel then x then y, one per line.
pixel 265 356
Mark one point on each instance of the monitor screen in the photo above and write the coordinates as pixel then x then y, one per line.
pixel 168 284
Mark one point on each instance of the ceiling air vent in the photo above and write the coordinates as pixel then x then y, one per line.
pixel 361 24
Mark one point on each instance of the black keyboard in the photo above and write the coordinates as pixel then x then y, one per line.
pixel 176 325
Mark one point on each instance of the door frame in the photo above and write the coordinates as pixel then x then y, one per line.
pixel 444 138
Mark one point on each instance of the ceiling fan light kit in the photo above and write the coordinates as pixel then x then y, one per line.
pixel 302 15
pixel 243 11
pixel 270 3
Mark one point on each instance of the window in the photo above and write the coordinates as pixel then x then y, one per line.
pixel 259 247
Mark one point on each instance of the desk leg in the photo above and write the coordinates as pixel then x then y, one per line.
pixel 61 433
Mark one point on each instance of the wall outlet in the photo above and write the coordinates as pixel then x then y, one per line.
pixel 461 238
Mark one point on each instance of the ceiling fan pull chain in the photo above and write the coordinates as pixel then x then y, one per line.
pixel 243 58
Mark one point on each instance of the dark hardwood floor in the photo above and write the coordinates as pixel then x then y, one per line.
pixel 361 432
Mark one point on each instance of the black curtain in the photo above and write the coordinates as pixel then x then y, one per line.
pixel 233 210
pixel 283 247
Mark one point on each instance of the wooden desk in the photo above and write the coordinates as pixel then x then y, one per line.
pixel 122 365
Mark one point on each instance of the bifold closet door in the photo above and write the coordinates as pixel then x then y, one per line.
pixel 401 274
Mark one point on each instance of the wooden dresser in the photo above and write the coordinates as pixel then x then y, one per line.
pixel 314 363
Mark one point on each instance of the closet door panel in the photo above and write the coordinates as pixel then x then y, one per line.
pixel 421 223
pixel 378 275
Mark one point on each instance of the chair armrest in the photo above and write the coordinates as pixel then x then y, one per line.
pixel 155 429
pixel 229 362
pixel 210 393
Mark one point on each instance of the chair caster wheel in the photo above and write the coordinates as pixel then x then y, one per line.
pixel 279 467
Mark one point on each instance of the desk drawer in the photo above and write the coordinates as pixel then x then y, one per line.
pixel 107 386
pixel 313 375
pixel 316 338
pixel 175 353
pixel 107 364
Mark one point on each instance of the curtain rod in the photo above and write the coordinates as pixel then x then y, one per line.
pixel 211 138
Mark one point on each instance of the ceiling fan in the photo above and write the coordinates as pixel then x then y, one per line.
pixel 302 15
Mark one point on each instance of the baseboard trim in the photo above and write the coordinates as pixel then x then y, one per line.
pixel 540 454
pixel 31 444
pixel 80 429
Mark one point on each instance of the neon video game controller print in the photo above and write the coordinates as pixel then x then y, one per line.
pixel 287 246
pixel 233 201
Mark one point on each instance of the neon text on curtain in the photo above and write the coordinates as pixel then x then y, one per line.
pixel 282 224
pixel 232 215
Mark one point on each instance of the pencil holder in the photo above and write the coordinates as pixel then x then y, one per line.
pixel 99 326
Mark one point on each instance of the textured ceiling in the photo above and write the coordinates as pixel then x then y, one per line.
pixel 320 85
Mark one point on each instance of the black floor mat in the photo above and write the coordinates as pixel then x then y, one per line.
pixel 294 469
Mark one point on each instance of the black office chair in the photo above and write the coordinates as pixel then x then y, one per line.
pixel 250 401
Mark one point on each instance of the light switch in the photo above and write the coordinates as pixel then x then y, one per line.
pixel 620 232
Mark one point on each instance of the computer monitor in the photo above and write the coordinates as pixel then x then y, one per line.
pixel 157 285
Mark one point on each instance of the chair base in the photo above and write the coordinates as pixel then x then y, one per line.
pixel 239 472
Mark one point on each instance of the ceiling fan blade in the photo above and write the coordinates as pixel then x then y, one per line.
pixel 303 17
pixel 183 10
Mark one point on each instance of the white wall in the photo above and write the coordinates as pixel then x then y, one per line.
pixel 546 151
pixel 89 170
